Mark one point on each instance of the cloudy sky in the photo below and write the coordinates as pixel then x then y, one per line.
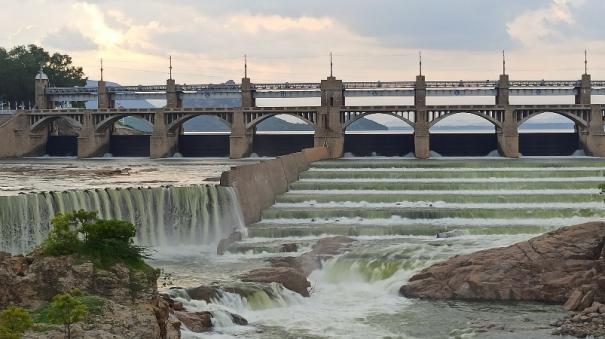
pixel 290 40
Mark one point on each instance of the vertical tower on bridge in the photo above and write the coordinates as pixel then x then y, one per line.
pixel 41 83
pixel 508 135
pixel 328 127
pixel 241 138
pixel 104 99
pixel 422 146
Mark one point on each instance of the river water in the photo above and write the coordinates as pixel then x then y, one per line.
pixel 393 207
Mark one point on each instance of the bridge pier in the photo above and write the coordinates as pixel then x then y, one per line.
pixel 592 138
pixel 241 138
pixel 162 143
pixel 422 141
pixel 508 135
pixel 92 143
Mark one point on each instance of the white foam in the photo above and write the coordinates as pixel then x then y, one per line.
pixel 455 169
pixel 595 205
pixel 457 180
pixel 446 222
pixel 590 191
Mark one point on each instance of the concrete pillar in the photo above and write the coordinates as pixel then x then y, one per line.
pixel 584 91
pixel 104 99
pixel 241 138
pixel 173 98
pixel 592 138
pixel 19 141
pixel 90 142
pixel 503 91
pixel 508 135
pixel 328 125
pixel 248 99
pixel 422 146
pixel 41 83
pixel 162 143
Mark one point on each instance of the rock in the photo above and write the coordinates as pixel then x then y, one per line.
pixel 238 319
pixel 132 307
pixel 224 244
pixel 552 268
pixel 206 293
pixel 195 322
pixel 574 300
pixel 290 278
pixel 290 247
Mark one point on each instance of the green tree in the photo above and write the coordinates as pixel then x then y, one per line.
pixel 19 66
pixel 14 321
pixel 104 242
pixel 65 309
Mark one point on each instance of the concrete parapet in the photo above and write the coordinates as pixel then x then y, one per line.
pixel 257 185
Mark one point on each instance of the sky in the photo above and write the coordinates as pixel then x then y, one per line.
pixel 291 40
pixel 287 40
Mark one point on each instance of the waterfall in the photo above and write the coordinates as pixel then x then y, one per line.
pixel 164 216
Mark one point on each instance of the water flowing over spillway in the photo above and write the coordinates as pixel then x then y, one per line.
pixel 395 208
pixel 164 216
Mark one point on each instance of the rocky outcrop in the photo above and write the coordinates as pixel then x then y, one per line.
pixel 590 321
pixel 132 307
pixel 566 265
pixel 33 280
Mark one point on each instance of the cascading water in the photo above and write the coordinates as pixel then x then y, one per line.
pixel 395 209
pixel 164 216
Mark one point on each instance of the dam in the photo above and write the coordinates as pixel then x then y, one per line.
pixel 404 215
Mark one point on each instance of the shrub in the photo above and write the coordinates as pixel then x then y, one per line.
pixel 104 242
pixel 14 321
pixel 65 309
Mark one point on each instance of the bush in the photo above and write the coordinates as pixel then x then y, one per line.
pixel 65 309
pixel 14 321
pixel 104 242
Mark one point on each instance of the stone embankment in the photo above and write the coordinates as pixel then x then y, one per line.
pixel 257 185
pixel 565 266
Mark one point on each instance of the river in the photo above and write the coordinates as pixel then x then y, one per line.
pixel 393 207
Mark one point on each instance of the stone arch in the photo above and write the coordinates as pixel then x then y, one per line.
pixel 39 124
pixel 494 117
pixel 309 118
pixel 177 123
pixel 523 116
pixel 103 122
pixel 351 121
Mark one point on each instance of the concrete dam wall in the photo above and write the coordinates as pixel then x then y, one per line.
pixel 257 185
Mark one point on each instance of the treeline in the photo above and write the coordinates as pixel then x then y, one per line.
pixel 19 66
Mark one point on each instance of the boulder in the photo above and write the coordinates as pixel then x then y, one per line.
pixel 225 244
pixel 290 278
pixel 195 322
pixel 563 265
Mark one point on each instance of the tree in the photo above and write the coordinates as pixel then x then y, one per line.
pixel 14 321
pixel 19 66
pixel 65 309
pixel 104 242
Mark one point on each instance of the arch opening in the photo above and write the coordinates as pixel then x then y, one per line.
pixel 549 134
pixel 378 134
pixel 463 134
pixel 203 136
pixel 282 134
pixel 62 136
pixel 129 136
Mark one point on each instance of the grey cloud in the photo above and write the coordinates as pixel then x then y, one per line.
pixel 67 38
